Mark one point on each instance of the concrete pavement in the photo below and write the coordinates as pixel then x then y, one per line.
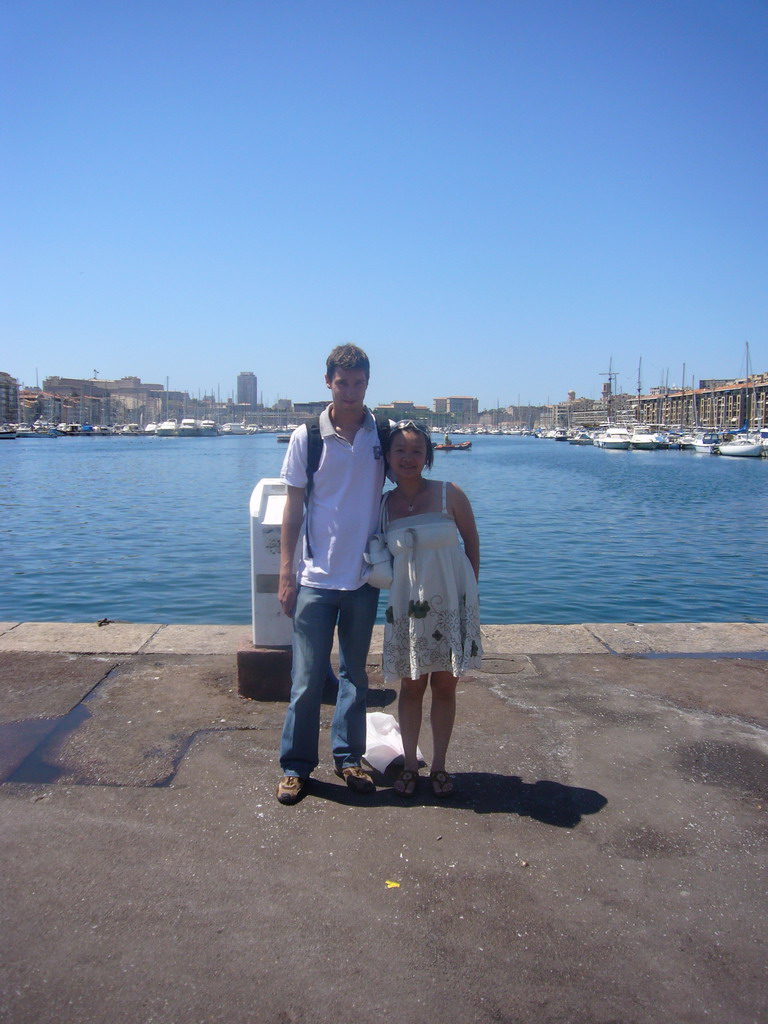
pixel 603 861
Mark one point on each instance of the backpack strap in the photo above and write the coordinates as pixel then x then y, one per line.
pixel 314 451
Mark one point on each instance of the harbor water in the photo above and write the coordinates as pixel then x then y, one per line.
pixel 149 529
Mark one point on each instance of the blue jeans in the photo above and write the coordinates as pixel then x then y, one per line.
pixel 317 613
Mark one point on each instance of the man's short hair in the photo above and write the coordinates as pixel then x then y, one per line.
pixel 347 357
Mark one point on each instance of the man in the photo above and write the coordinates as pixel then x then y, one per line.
pixel 341 514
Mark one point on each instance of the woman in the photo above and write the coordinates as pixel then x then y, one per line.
pixel 432 631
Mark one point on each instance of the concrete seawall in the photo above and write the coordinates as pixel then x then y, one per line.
pixel 603 860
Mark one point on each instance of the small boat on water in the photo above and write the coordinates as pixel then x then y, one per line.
pixel 38 429
pixel 741 446
pixel 209 428
pixel 7 433
pixel 168 428
pixel 617 438
pixel 644 440
pixel 190 427
pixel 462 446
pixel 706 443
pixel 581 437
pixel 233 429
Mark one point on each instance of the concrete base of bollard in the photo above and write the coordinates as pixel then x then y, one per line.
pixel 264 673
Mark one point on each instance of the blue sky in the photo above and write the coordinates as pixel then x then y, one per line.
pixel 491 198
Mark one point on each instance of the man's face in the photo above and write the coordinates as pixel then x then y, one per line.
pixel 348 388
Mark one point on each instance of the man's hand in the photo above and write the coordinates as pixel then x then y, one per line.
pixel 293 514
pixel 286 595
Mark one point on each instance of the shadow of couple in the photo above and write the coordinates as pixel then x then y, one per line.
pixel 551 803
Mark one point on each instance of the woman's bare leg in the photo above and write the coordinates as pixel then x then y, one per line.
pixel 409 712
pixel 442 716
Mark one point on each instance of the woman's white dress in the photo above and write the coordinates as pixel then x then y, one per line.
pixel 433 616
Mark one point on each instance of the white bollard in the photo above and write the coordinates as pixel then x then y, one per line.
pixel 271 628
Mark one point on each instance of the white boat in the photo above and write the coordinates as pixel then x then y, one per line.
pixel 705 443
pixel 7 433
pixel 644 440
pixel 581 437
pixel 617 438
pixel 132 429
pixel 208 428
pixel 231 429
pixel 742 446
pixel 168 428
pixel 38 429
pixel 190 427
pixel 151 428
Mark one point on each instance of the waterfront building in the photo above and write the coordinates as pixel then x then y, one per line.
pixel 403 410
pixel 303 411
pixel 729 405
pixel 247 390
pixel 127 400
pixel 462 408
pixel 9 398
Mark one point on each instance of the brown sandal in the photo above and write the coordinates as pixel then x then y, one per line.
pixel 441 783
pixel 408 780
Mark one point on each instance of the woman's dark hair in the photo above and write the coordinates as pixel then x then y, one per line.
pixel 417 428
pixel 347 357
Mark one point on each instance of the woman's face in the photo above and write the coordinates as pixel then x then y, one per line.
pixel 408 454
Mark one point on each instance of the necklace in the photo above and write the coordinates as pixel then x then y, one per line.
pixel 413 500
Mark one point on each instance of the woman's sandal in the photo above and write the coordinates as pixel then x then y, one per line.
pixel 408 781
pixel 442 784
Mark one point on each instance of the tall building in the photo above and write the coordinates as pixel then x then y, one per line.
pixel 465 409
pixel 247 389
pixel 9 398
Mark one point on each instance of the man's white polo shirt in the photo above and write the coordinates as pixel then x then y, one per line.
pixel 344 504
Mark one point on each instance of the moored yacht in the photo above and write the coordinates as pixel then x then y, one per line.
pixel 613 437
pixel 742 446
pixel 580 437
pixel 168 428
pixel 190 427
pixel 644 440
pixel 704 444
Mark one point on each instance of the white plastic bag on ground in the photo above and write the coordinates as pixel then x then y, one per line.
pixel 383 742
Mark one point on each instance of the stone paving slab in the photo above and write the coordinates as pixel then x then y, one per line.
pixel 682 637
pixel 78 637
pixel 541 639
pixel 185 639
pixel 6 626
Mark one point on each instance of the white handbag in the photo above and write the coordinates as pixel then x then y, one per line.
pixel 378 557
